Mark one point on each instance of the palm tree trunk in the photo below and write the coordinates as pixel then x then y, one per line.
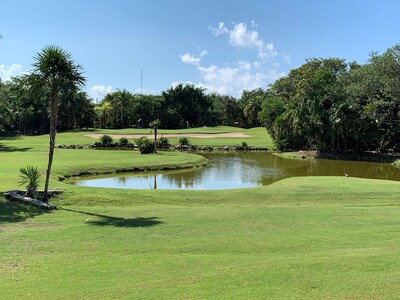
pixel 53 132
pixel 155 139
pixel 122 116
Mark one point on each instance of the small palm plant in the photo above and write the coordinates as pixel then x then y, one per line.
pixel 30 176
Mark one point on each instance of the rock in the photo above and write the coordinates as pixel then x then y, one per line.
pixel 16 196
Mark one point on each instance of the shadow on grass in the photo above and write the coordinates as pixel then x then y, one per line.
pixel 12 212
pixel 83 130
pixel 10 137
pixel 12 149
pixel 117 222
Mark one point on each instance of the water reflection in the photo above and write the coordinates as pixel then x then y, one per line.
pixel 240 170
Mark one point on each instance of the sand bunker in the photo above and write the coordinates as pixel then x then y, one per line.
pixel 189 135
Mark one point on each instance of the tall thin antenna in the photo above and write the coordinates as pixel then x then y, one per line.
pixel 141 81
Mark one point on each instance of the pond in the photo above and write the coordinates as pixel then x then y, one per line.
pixel 240 170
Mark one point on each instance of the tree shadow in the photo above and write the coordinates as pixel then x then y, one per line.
pixel 82 130
pixel 12 211
pixel 12 149
pixel 10 137
pixel 118 222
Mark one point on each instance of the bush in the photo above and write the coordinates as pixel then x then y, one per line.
pixel 123 142
pixel 244 144
pixel 106 140
pixel 145 145
pixel 163 142
pixel 30 175
pixel 184 141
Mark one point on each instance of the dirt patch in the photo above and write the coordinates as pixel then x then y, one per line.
pixel 189 135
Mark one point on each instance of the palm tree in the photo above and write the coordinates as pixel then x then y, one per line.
pixel 56 75
pixel 251 110
pixel 30 175
pixel 104 111
pixel 155 125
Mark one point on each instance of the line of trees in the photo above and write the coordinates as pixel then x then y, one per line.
pixel 325 104
pixel 181 106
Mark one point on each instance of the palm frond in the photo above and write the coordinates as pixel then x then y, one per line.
pixel 29 175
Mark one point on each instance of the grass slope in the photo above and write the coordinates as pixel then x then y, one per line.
pixel 310 237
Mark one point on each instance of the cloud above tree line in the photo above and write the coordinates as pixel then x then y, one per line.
pixel 234 77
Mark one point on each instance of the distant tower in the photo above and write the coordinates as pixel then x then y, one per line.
pixel 141 81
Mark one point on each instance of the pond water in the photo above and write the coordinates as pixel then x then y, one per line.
pixel 240 170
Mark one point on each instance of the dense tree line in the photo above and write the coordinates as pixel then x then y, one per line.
pixel 181 106
pixel 24 111
pixel 325 104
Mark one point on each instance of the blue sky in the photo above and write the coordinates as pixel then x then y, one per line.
pixel 224 46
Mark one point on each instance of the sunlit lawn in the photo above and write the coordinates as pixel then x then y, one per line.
pixel 315 237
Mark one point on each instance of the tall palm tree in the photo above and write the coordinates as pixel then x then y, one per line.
pixel 155 124
pixel 55 74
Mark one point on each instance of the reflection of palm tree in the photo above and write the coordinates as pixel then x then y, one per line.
pixel 122 180
pixel 155 181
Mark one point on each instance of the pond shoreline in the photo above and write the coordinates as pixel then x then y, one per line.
pixel 354 156
pixel 149 168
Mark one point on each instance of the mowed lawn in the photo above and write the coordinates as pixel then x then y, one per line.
pixel 309 237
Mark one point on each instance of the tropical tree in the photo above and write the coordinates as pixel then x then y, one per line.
pixel 120 102
pixel 76 111
pixel 56 75
pixel 155 124
pixel 103 111
pixel 184 106
pixel 251 102
pixel 224 110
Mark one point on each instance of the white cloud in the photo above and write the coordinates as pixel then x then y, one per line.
pixel 192 59
pixel 242 37
pixel 287 59
pixel 233 80
pixel 6 72
pixel 239 36
pixel 221 29
pixel 244 65
pixel 234 77
pixel 98 92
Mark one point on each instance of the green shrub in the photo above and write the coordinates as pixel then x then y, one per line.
pixel 30 175
pixel 163 142
pixel 244 144
pixel 145 145
pixel 123 142
pixel 106 140
pixel 184 141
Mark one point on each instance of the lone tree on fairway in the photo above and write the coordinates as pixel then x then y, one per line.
pixel 55 75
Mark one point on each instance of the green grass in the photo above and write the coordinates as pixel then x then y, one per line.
pixel 308 237
pixel 257 137
pixel 289 155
